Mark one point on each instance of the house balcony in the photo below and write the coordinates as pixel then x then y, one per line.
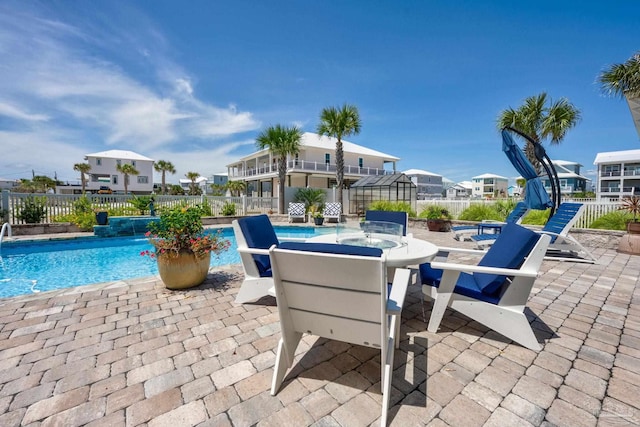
pixel 619 190
pixel 306 167
pixel 608 174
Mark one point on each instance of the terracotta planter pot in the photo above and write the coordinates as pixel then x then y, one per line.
pixel 633 227
pixel 183 271
pixel 439 225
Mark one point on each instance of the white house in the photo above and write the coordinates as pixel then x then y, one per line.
pixel 618 174
pixel 104 171
pixel 489 186
pixel 314 166
pixel 462 189
pixel 429 185
pixel 201 182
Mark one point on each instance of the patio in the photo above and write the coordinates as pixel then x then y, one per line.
pixel 132 353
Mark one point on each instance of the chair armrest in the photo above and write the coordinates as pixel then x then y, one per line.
pixel 462 250
pixel 466 268
pixel 254 251
pixel 398 290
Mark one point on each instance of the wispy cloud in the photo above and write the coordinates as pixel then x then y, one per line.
pixel 97 83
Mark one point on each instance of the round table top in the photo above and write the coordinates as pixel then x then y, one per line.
pixel 413 251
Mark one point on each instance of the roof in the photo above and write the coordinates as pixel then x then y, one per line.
pixel 382 180
pixel 313 140
pixel 565 163
pixel 617 156
pixel 119 154
pixel 489 175
pixel 419 172
pixel 198 180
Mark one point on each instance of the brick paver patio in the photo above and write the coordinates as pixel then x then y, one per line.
pixel 132 353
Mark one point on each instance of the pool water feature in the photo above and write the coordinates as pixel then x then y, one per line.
pixel 37 266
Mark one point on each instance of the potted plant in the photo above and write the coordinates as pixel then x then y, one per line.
pixel 630 242
pixel 182 248
pixel 318 218
pixel 438 218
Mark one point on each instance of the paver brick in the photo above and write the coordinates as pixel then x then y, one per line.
pixel 464 412
pixel 535 391
pixel 58 403
pixel 563 414
pixel 169 380
pixel 144 410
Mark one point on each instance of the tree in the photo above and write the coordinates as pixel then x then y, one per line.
pixel 127 169
pixel 622 80
pixel 193 189
pixel 164 167
pixel 541 118
pixel 281 142
pixel 338 123
pixel 83 168
pixel 236 187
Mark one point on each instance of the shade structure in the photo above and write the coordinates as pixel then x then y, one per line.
pixel 536 197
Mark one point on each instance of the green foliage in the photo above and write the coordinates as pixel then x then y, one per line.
pixel 175 190
pixel 536 217
pixel 387 205
pixel 82 206
pixel 3 214
pixel 205 207
pixel 228 209
pixel 481 211
pixel 32 210
pixel 504 207
pixel 84 220
pixel 435 212
pixel 313 198
pixel 584 195
pixel 141 203
pixel 615 220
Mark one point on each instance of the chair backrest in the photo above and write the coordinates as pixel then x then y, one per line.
pixel 256 232
pixel 389 216
pixel 332 291
pixel 509 250
pixel 296 209
pixel 517 213
pixel 332 210
pixel 563 219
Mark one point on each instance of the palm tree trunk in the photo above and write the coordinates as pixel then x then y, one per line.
pixel 164 186
pixel 282 176
pixel 339 169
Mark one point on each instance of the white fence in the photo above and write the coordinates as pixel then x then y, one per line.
pixel 56 205
pixel 593 210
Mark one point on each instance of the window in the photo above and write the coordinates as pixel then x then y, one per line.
pixel 114 179
pixel 98 162
pixel 133 163
pixel 143 179
pixel 118 162
pixel 327 158
pixel 297 157
pixel 360 162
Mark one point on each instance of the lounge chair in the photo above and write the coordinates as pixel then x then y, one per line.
pixel 254 236
pixel 332 211
pixel 401 218
pixel 297 211
pixel 563 247
pixel 464 232
pixel 337 292
pixel 495 291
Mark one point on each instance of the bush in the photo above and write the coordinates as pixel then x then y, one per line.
pixel 205 208
pixel 228 209
pixel 32 210
pixel 82 206
pixel 386 205
pixel 615 220
pixel 141 203
pixel 435 212
pixel 481 211
pixel 310 197
pixel 536 217
pixel 84 220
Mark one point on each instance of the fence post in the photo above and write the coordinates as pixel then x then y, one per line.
pixel 4 205
pixel 244 204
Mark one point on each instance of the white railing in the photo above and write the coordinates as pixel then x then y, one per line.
pixel 306 166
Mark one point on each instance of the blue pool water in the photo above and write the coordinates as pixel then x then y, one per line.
pixel 38 266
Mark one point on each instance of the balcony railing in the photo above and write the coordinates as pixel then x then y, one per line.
pixel 305 166
pixel 632 172
pixel 610 173
pixel 617 190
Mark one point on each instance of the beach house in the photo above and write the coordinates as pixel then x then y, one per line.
pixel 618 174
pixel 104 171
pixel 489 186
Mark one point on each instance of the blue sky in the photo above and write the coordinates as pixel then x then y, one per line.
pixel 194 82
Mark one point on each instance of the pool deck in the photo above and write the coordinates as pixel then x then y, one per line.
pixel 132 353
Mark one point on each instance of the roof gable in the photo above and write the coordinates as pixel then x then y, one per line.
pixel 119 154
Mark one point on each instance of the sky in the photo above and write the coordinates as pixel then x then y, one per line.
pixel 194 82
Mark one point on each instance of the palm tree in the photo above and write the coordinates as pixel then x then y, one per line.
pixel 540 118
pixel 164 166
pixel 622 80
pixel 281 142
pixel 338 123
pixel 83 168
pixel 192 176
pixel 126 169
pixel 236 187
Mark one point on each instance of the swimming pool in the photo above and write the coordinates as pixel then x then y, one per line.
pixel 38 266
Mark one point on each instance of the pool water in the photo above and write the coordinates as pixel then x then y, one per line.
pixel 37 266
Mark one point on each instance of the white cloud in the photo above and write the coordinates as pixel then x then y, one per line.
pixel 14 112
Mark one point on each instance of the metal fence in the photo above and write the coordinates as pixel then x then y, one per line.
pixel 593 208
pixel 57 205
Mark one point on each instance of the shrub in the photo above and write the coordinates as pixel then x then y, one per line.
pixel 536 217
pixel 615 220
pixel 84 220
pixel 310 197
pixel 387 205
pixel 435 212
pixel 82 206
pixel 205 207
pixel 141 203
pixel 480 211
pixel 228 209
pixel 32 210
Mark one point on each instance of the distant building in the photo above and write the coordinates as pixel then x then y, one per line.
pixel 429 185
pixel 314 166
pixel 8 184
pixel 461 190
pixel 219 178
pixel 618 174
pixel 201 182
pixel 569 176
pixel 104 171
pixel 489 186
